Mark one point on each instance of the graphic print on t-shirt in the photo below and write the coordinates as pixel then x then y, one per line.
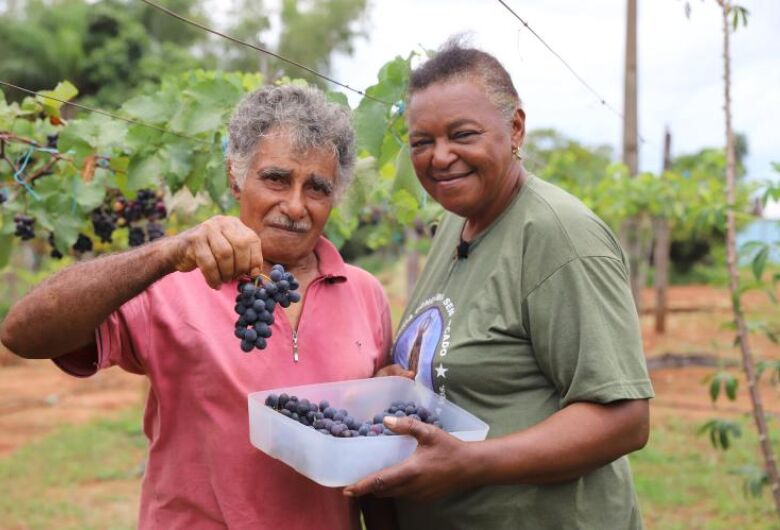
pixel 417 343
pixel 424 339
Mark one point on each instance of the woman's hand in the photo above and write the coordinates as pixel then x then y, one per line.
pixel 222 247
pixel 441 464
pixel 394 369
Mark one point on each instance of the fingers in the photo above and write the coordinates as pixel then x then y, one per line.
pixel 424 434
pixel 255 256
pixel 222 251
pixel 206 262
pixel 387 483
pixel 223 248
pixel 246 248
pixel 394 369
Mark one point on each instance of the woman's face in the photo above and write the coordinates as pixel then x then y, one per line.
pixel 461 148
pixel 287 197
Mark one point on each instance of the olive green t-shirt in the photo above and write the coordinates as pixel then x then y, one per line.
pixel 538 315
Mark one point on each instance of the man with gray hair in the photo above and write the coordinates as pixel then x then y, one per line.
pixel 151 312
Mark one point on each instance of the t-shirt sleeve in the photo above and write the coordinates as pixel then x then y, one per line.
pixel 585 332
pixel 120 340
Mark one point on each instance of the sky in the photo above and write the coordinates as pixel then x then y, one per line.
pixel 680 66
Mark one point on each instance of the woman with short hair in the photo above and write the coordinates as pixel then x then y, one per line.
pixel 537 330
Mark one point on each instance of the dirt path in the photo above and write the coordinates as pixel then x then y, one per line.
pixel 36 398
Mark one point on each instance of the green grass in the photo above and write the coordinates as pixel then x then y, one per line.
pixel 684 483
pixel 78 478
pixel 86 478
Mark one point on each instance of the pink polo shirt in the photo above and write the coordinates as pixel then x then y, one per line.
pixel 202 472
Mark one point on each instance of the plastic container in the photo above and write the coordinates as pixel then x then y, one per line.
pixel 335 462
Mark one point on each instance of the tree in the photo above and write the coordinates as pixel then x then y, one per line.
pixel 310 32
pixel 734 12
pixel 107 48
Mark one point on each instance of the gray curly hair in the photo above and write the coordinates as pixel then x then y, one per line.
pixel 305 114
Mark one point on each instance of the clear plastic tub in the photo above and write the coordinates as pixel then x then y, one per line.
pixel 336 462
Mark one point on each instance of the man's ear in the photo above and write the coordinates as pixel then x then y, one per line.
pixel 234 187
pixel 518 127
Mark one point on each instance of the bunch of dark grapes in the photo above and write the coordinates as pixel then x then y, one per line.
pixel 339 423
pixel 56 254
pixel 104 223
pixel 120 212
pixel 136 237
pixel 154 231
pixel 51 140
pixel 3 196
pixel 83 244
pixel 24 226
pixel 255 306
pixel 147 204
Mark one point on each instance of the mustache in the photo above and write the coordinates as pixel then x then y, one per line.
pixel 286 223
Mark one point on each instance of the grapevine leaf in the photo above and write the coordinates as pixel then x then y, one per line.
pixel 218 93
pixel 196 118
pixel 405 207
pixel 72 139
pixel 337 97
pixel 89 195
pixel 154 109
pixel 178 155
pixel 216 182
pixel 66 230
pixel 64 91
pixel 144 171
pixel 140 137
pixel 370 120
pixel 405 177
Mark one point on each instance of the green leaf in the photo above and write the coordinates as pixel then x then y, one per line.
pixel 179 158
pixel 98 132
pixel 64 91
pixel 405 207
pixel 196 118
pixel 140 137
pixel 156 109
pixel 731 388
pixel 144 171
pixel 337 97
pixel 217 182
pixel 406 178
pixel 66 231
pixel 89 195
pixel 759 262
pixel 218 93
pixel 724 438
pixel 714 389
pixel 71 139
pixel 370 120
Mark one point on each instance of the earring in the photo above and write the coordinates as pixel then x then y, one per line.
pixel 516 152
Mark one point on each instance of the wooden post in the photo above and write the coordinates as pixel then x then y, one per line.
pixel 661 251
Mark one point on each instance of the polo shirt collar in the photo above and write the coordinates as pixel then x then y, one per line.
pixel 330 262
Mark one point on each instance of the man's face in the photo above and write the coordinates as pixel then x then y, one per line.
pixel 287 197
